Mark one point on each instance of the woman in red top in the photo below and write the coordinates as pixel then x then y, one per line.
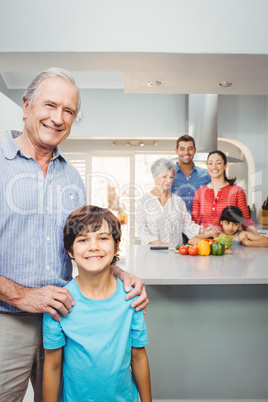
pixel 210 200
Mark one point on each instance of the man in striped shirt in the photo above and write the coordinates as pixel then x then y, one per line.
pixel 38 191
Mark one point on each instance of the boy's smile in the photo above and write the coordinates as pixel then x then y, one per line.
pixel 94 251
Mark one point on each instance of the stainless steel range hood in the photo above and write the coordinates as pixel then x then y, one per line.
pixel 202 111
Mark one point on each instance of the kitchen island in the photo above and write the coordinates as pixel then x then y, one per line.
pixel 207 323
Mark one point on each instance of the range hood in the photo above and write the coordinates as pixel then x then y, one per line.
pixel 202 122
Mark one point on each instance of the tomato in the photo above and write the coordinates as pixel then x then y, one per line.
pixel 193 250
pixel 183 250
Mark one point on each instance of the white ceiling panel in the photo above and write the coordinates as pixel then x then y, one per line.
pixel 178 73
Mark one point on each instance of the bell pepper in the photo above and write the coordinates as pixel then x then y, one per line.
pixel 217 248
pixel 203 247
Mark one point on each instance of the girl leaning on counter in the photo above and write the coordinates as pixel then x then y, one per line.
pixel 210 200
pixel 161 216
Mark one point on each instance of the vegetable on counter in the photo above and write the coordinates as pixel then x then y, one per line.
pixel 217 248
pixel 210 240
pixel 177 248
pixel 193 250
pixel 183 250
pixel 203 247
pixel 226 240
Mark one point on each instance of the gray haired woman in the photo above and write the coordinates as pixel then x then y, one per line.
pixel 161 216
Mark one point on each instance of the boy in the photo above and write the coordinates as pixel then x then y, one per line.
pixel 89 353
pixel 231 221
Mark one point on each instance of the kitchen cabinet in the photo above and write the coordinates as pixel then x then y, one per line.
pixel 207 323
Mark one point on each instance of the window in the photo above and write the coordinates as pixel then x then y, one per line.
pixel 116 181
pixel 80 162
pixel 109 187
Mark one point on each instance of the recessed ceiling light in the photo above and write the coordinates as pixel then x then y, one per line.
pixel 154 83
pixel 224 84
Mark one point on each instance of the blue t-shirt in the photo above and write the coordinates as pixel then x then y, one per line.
pixel 185 187
pixel 97 337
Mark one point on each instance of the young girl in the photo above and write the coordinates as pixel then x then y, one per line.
pixel 231 220
pixel 96 353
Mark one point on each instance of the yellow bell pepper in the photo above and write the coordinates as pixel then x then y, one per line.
pixel 203 247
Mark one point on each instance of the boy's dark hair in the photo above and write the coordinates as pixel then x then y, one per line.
pixel 232 214
pixel 186 138
pixel 90 218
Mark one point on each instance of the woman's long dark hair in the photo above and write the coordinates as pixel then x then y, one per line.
pixel 230 181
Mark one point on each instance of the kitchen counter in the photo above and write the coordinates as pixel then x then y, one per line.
pixel 207 323
pixel 247 265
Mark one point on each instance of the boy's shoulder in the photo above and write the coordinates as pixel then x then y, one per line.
pixel 120 291
pixel 122 294
pixel 120 286
pixel 71 286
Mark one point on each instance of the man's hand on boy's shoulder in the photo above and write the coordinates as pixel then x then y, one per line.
pixel 48 299
pixel 138 284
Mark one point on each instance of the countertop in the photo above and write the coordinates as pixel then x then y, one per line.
pixel 247 265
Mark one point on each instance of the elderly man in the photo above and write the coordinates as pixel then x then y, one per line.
pixel 39 190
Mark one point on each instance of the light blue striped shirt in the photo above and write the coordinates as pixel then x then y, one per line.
pixel 33 211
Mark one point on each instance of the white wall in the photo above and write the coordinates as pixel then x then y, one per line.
pixel 179 26
pixel 113 114
pixel 244 118
pixel 3 87
pixel 10 114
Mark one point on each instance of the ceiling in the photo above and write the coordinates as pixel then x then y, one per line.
pixel 178 73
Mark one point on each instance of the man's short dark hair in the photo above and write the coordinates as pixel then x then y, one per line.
pixel 89 218
pixel 185 137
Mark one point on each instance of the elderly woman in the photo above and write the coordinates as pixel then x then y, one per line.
pixel 161 216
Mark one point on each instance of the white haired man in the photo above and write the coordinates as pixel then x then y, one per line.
pixel 39 190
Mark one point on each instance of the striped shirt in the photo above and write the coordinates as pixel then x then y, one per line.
pixel 33 211
pixel 207 208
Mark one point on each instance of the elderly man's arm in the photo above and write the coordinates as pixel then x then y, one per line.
pixel 132 281
pixel 48 299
